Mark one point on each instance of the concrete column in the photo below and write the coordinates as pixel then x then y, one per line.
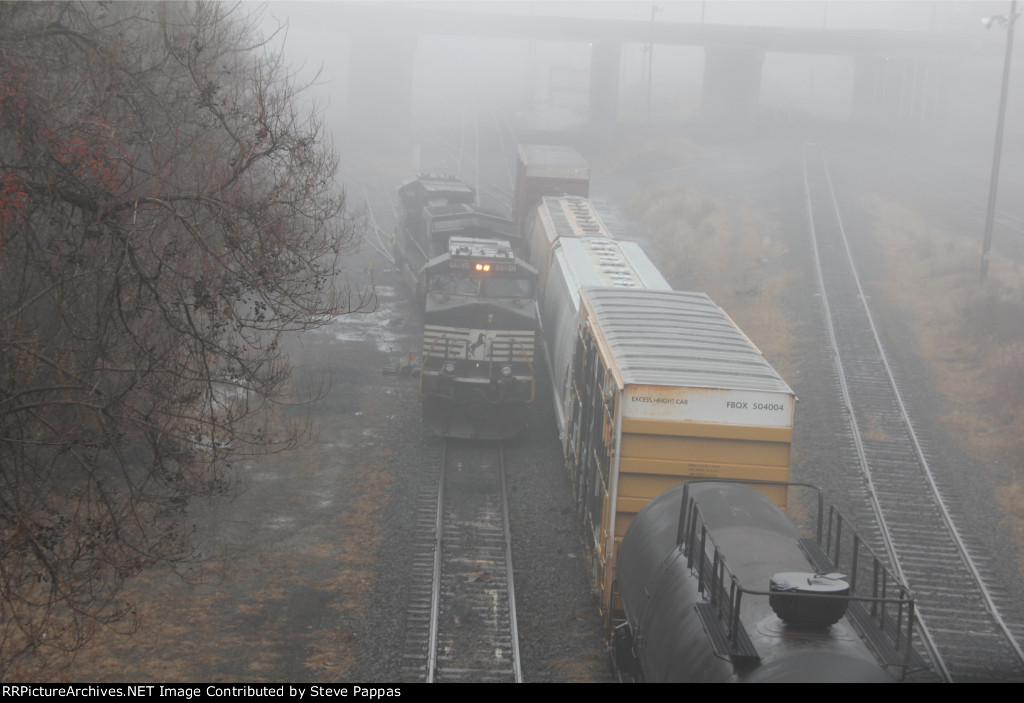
pixel 900 94
pixel 866 79
pixel 929 89
pixel 380 87
pixel 894 90
pixel 604 84
pixel 732 87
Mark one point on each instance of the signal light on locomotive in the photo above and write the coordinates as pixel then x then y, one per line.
pixel 483 267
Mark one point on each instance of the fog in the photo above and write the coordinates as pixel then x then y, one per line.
pixel 435 78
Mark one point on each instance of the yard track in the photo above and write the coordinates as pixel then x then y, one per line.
pixel 461 620
pixel 959 615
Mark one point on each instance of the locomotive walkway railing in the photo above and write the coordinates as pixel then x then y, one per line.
pixel 882 611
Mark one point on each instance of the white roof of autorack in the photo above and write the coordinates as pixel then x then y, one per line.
pixel 679 339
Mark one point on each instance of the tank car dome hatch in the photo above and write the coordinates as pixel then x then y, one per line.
pixel 826 605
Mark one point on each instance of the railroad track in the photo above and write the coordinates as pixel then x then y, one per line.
pixel 461 618
pixel 958 612
pixel 481 155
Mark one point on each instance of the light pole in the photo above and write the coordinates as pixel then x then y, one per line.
pixel 993 184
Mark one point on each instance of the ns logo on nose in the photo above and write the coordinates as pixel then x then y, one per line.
pixel 480 341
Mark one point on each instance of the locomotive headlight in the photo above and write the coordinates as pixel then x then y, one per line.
pixel 483 267
pixel 449 368
pixel 506 371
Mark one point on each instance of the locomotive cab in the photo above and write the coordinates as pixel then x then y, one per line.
pixel 480 268
pixel 416 198
pixel 478 338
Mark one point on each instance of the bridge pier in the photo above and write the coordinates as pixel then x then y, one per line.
pixel 732 87
pixel 900 92
pixel 380 87
pixel 604 85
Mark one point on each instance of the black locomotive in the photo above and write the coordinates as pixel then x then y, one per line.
pixel 480 316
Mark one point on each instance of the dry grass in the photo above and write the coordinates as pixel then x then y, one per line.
pixel 972 333
pixel 726 252
pixel 239 621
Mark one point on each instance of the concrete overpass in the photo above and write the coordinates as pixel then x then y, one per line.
pixel 899 75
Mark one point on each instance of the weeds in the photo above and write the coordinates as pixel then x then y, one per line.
pixel 702 244
pixel 972 333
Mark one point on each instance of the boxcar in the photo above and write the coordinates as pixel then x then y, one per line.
pixel 650 386
pixel 571 248
pixel 545 169
pixel 664 387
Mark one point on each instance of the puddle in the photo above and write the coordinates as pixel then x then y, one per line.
pixel 375 327
pixel 280 522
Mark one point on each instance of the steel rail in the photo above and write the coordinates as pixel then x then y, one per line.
pixel 380 247
pixel 516 663
pixel 904 417
pixel 435 588
pixel 458 153
pixel 890 547
pixel 509 173
pixel 929 475
pixel 472 652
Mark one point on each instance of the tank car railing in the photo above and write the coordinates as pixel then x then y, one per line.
pixel 885 617
pixel 845 551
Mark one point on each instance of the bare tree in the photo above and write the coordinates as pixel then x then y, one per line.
pixel 167 211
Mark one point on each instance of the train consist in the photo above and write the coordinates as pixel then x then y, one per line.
pixel 651 386
pixel 657 390
pixel 545 169
pixel 660 401
pixel 480 319
pixel 718 585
